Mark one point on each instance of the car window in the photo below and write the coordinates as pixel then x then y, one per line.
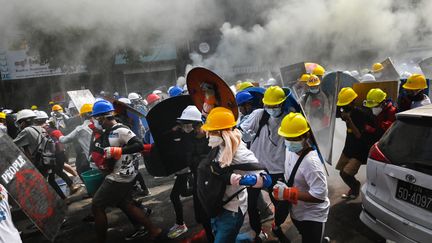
pixel 409 143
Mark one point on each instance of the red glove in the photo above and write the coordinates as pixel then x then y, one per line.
pixel 147 149
pixel 282 192
pixel 113 153
pixel 56 134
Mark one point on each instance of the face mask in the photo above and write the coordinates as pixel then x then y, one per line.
pixel 294 146
pixel 187 128
pixel 376 110
pixel 97 124
pixel 314 90
pixel 215 141
pixel 274 112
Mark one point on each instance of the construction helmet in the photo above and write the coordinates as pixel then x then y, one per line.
pixel 101 107
pixel 271 82
pixel 41 115
pixel 346 96
pixel 319 71
pixel 415 82
pixel 244 85
pixel 377 67
pixel 25 114
pixel 133 96
pixel 313 81
pixel 34 107
pixel 374 97
pixel 51 103
pixel 86 108
pixel 242 97
pixel 190 113
pixel 368 77
pixel 293 125
pixel 220 118
pixel 175 91
pixel 125 100
pixel 151 98
pixel 2 115
pixel 304 78
pixel 274 95
pixel 156 92
pixel 57 108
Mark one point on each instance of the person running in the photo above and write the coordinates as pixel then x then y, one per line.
pixel 305 185
pixel 383 111
pixel 120 146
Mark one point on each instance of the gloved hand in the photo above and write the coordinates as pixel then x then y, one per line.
pixel 112 153
pixel 248 180
pixel 267 181
pixel 282 192
pixel 57 134
pixel 235 179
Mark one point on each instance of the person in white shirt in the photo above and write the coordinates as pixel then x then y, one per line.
pixel 220 127
pixel 305 183
pixel 8 232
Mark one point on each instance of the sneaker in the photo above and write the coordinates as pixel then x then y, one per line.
pixel 177 230
pixel 349 195
pixel 139 233
pixel 326 239
pixel 277 231
pixel 261 237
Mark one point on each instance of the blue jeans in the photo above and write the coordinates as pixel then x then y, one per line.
pixel 226 226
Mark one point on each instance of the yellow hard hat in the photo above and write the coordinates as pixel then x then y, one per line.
pixel 415 82
pixel 313 81
pixel 244 85
pixel 293 125
pixel 220 118
pixel 274 95
pixel 2 115
pixel 374 97
pixel 34 107
pixel 377 67
pixel 86 108
pixel 304 78
pixel 57 108
pixel 346 96
pixel 51 103
pixel 319 71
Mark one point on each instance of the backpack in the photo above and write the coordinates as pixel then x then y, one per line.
pixel 262 122
pixel 45 153
pixel 212 182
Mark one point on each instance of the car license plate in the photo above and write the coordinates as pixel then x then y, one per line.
pixel 415 195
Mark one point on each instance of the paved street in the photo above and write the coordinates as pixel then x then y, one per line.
pixel 343 224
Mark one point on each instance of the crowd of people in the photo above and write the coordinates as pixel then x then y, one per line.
pixel 231 162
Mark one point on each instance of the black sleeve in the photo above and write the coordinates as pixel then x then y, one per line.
pixel 133 146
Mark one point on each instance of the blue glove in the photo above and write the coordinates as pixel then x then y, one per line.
pixel 267 181
pixel 248 180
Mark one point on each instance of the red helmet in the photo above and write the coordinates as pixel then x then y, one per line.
pixel 151 98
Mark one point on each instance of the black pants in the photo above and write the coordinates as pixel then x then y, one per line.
pixel 254 216
pixel 58 170
pixel 141 181
pixel 282 208
pixel 180 185
pixel 311 231
pixel 81 163
pixel 55 186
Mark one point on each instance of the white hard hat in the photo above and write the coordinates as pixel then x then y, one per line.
pixel 347 72
pixel 133 96
pixel 25 114
pixel 156 92
pixel 367 77
pixel 125 100
pixel 116 93
pixel 40 115
pixel 190 113
pixel 405 75
pixel 271 82
pixel 354 73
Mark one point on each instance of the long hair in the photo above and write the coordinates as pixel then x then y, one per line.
pixel 232 139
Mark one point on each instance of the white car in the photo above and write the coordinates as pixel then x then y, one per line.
pixel 397 197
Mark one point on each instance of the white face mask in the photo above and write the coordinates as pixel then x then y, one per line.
pixel 294 146
pixel 314 90
pixel 187 128
pixel 376 110
pixel 274 112
pixel 215 141
pixel 97 125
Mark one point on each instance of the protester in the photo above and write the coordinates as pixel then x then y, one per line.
pixel 383 110
pixel 120 149
pixel 8 231
pixel 3 126
pixel 261 127
pixel 231 151
pixel 245 104
pixel 414 93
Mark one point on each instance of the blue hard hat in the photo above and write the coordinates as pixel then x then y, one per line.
pixel 243 97
pixel 175 91
pixel 101 107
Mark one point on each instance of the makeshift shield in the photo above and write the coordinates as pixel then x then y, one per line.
pixel 28 188
pixel 199 76
pixel 327 84
pixel 390 87
pixel 388 73
pixel 290 74
pixel 81 97
pixel 426 67
pixel 168 154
